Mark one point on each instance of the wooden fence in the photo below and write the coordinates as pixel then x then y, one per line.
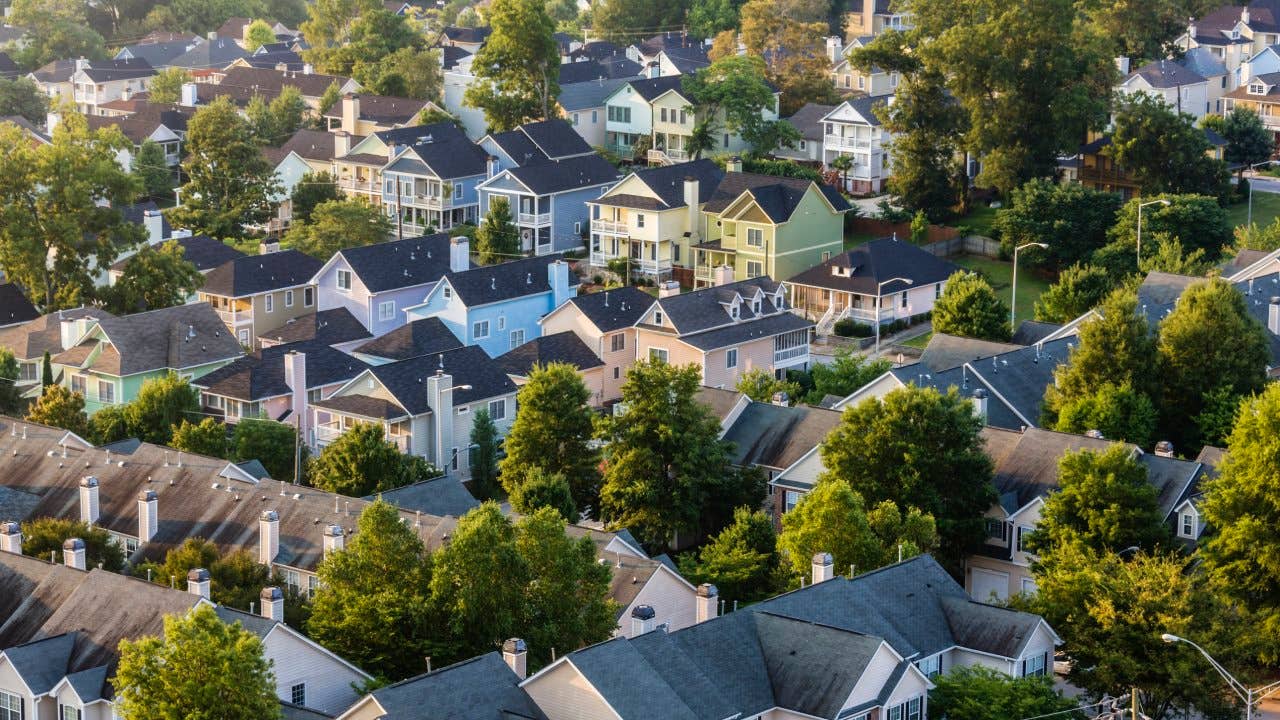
pixel 969 245
pixel 883 228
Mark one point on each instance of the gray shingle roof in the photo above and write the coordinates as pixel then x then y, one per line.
pixel 449 153
pixel 400 263
pixel 614 309
pixel 174 338
pixel 776 436
pixel 14 306
pixel 505 281
pixel 330 327
pixel 159 54
pixel 42 663
pixel 273 81
pixel 200 250
pixel 862 269
pixel 1203 63
pixel 778 197
pixel 706 309
pixel 210 54
pixel 384 109
pixel 564 347
pixel 1030 332
pixel 747 331
pixel 468 365
pixel 444 495
pixel 556 138
pixel 261 376
pixel 667 182
pixel 518 146
pixel 482 688
pixel 31 340
pixel 101 71
pixel 420 337
pixel 254 274
pixel 1167 74
pixel 611 69
pixel 556 176
pixel 651 88
pixel 946 352
pixel 808 120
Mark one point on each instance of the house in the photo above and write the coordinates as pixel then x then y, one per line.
pixel 880 280
pixel 562 347
pixel 377 282
pixel 52 333
pixel 758 225
pixel 854 130
pixel 424 404
pixel 106 80
pixel 242 83
pixel 164 125
pixel 108 362
pixel 1159 293
pixel 428 336
pixel 872 17
pixel 850 80
pixel 1203 63
pixel 365 114
pixel 498 307
pixel 647 51
pixel 212 54
pixel 1181 88
pixel 158 54
pixel 335 328
pixel 54 79
pixel 534 142
pixel 726 331
pixel 773 436
pixel 487 686
pixel 606 323
pixel 808 122
pixel 548 199
pixel 653 219
pixel 466 38
pixel 358 162
pixel 15 308
pixel 255 294
pixel 583 105
pixel 58 656
pixel 1098 170
pixel 34 136
pixel 1232 35
pixel 306 152
pixel 431 183
pixel 1026 473
pixel 685 60
pixel 584 70
pixel 8 68
pixel 200 250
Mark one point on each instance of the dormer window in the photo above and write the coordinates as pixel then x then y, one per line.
pixel 733 311
pixel 755 306
pixel 657 317
pixel 1187 525
pixel 1257 89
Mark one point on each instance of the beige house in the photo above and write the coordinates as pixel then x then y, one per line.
pixel 848 79
pixel 255 294
pixel 872 17
pixel 361 115
pixel 605 322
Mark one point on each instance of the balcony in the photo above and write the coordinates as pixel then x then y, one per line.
pixel 667 157
pixel 533 219
pixel 427 201
pixel 841 142
pixel 609 227
pixel 359 185
pixel 234 317
pixel 326 433
pixel 790 355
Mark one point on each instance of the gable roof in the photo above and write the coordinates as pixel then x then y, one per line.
pixel 173 338
pixel 556 138
pixel 469 365
pixel 614 309
pixel 1030 332
pixel 399 264
pixel 159 53
pixel 947 352
pixel 667 182
pixel 505 281
pixel 808 120
pixel 584 71
pixel 588 94
pixel 862 269
pixel 32 339
pixel 688 59
pixel 420 337
pixel 651 88
pixel 483 687
pixel 200 250
pixel 262 375
pixel 14 306
pixel 556 176
pixel 705 309
pixel 778 197
pixel 564 347
pixel 1203 62
pixel 103 71
pixel 309 145
pixel 273 81
pixel 776 436
pixel 384 109
pixel 444 495
pixel 210 54
pixel 254 274
pixel 140 125
pixel 468 34
pixel 445 150
pixel 330 327
pixel 8 68
pixel 1166 74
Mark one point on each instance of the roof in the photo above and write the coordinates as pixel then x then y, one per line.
pixel 8 68
pixel 651 88
pixel 262 375
pixel 1030 332
pixel 747 330
pixel 58 71
pixel 706 309
pixel 1203 62
pixel 450 55
pixel 468 34
pixel 255 274
pixel 667 182
pixel 420 337
pixel 808 120
pixel 1264 16
pixel 614 309
pixel 688 60
pixel 720 400
pixel 946 352
pixel 399 264
pixel 444 495
pixel 556 176
pixel 313 145
pixel 211 54
pixel 583 71
pixel 504 281
pixel 31 340
pixel 1159 292
pixel 330 327
pixel 778 197
pixel 468 365
pixel 173 338
pixel 273 81
pixel 1166 74
pixel 160 53
pixel 363 406
pixel 482 688
pixel 103 71
pixel 140 125
pixel 776 436
pixel 14 306
pixel 556 138
pixel 384 109
pixel 563 347
pixel 270 59
pixel 863 269
pixel 200 250
pixel 588 94
pixel 234 27
pixel 446 150
pixel 866 107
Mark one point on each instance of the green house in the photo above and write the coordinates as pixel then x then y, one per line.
pixel 112 358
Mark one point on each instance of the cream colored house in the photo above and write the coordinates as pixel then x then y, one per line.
pixel 848 79
pixel 606 323
pixel 255 294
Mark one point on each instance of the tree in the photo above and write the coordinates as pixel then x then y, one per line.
pixel 161 404
pixel 110 424
pixel 518 68
pixel 1143 29
pixel 59 407
pixel 21 97
pixel 540 489
pixel 258 33
pixel 708 18
pixel 968 307
pixel 742 561
pixel 43 538
pixel 208 438
pixel 275 122
pixel 789 35
pixel 312 190
pixel 151 169
pixel 735 86
pixel 373 603
pixel 46 371
pixel 497 239
pixel 832 518
pixel 1163 150
pixel 1104 503
pixel 229 183
pixel 760 385
pixel 192 645
pixel 55 29
pixel 484 456
pixel 1197 221
pixel 202 16
pixel 1166 254
pixel 1079 289
pixel 59 219
pixel 919 449
pixel 411 71
pixel 360 462
pixel 166 85
pixel 664 462
pixel 1248 140
pixel 273 444
pixel 154 278
pixel 977 692
pixel 330 97
pixel 618 20
pixel 553 432
pixel 1070 218
pixel 235 579
pixel 1251 237
pixel 846 373
pixel 337 225
pixel 10 398
pixel 1117 411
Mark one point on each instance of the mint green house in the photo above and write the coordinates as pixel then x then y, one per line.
pixel 112 358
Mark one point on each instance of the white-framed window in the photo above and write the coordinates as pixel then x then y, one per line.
pixel 344 279
pixel 731 358
pixel 862 82
pixel 639 220
pixel 1033 666
pixel 914 706
pixel 78 385
pixel 790 499
pixel 387 310
pixel 67 712
pixel 293 580
pixel 755 237
pixel 480 329
pixel 658 354
pixel 893 79
pixel 996 529
pixel 498 410
pixel 937 290
pixel 11 706
pixel 1024 534
pixel 517 338
pixel 1187 526
pixel 930 666
pixel 663 114
pixel 754 268
pixel 106 391
pixel 447 292
pixel 130 546
pixel 895 713
pixel 904 298
pixel 577 228
pixel 595 116
pixel 288 298
pixel 657 317
pixel 298 694
pixel 243 336
pixel 457 190
pixel 269 302
pixel 617 342
pixel 308 297
pixel 755 306
pixel 803 145
pixel 575 119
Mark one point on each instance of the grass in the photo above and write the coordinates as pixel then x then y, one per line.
pixel 919 341
pixel 1000 274
pixel 1266 207
pixel 979 220
pixel 852 240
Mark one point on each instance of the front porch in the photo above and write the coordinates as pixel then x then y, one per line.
pixel 647 258
pixel 333 417
pixel 712 263
pixel 826 307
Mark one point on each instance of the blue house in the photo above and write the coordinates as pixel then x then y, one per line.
pixel 535 142
pixel 430 183
pixel 498 307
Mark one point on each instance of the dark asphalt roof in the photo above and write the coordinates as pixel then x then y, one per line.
pixel 363 406
pixel 217 53
pixel 518 147
pixel 1166 74
pixel 482 688
pixel 254 274
pixel 556 138
pixel 330 327
pixel 946 352
pixel 449 152
pixel 504 281
pixel 614 309
pixel 778 197
pixel 576 73
pixel 14 306
pixel 651 88
pixel 273 81
pixel 776 436
pixel 866 107
pixel 102 71
pixel 387 109
pixel 42 663
pixel 178 337
pixel 55 72
pixel 667 182
pixel 862 269
pixel 747 330
pixel 200 250
pixel 420 337
pixel 8 68
pixel 468 34
pixel 160 53
pixel 31 340
pixel 261 375
pixel 558 176
pixel 708 308
pixel 469 365
pixel 313 144
pixel 400 263
pixel 564 347
pixel 1030 332
pixel 589 94
pixel 689 59
pixel 451 55
pixel 142 124
pixel 808 120
pixel 444 495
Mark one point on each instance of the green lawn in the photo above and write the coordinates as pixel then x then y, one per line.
pixel 1000 274
pixel 919 341
pixel 1266 207
pixel 979 220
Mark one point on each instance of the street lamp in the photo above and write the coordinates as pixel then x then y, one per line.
pixel 1248 695
pixel 1255 165
pixel 880 305
pixel 1161 201
pixel 1013 299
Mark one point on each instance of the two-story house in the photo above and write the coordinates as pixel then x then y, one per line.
pixel 1181 88
pixel 428 336
pixel 111 359
pixel 534 142
pixel 358 162
pixel 364 114
pixel 872 17
pixel 1099 170
pixel 165 125
pixel 377 282
pixel 850 80
pixel 726 330
pixel 106 80
pixel 430 183
pixel 255 294
pixel 548 199
pixel 763 225
pixel 306 152
pixel 606 323
pixel 52 333
pixel 583 105
pixel 1232 35
pixel 653 217
pixel 808 123
pixel 498 307
pixel 853 129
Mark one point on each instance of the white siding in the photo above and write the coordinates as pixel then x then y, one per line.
pixel 874 677
pixel 673 602
pixel 562 693
pixel 295 661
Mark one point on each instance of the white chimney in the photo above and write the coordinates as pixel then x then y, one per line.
pixel 667 288
pixel 198 582
pixel 1273 316
pixel 89 500
pixel 459 254
pixel 492 166
pixel 558 279
pixel 73 553
pixel 980 404
pixel 153 221
pixel 440 400
pixel 722 275
pixel 733 165
pixel 823 569
pixel 1244 15
pixel 334 539
pixel 82 64
pixel 1191 30
pixel 272 603
pixel 350 112
pixel 308 68
pixel 515 653
pixel 268 537
pixel 295 376
pixel 707 602
pixel 148 519
pixel 341 143
pixel 70 333
pixel 1164 448
pixel 833 48
pixel 641 620
pixel 691 207
pixel 189 95
pixel 51 121
pixel 1122 64
pixel 781 399
pixel 11 538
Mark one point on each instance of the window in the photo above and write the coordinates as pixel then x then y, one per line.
pixel 930 667
pixel 288 298
pixel 862 82
pixel 1187 528
pixel 595 116
pixel 293 580
pixel 387 310
pixel 893 80
pixel 1033 666
pixel 298 694
pixel 480 330
pixel 937 290
pixel 682 117
pixel 913 709
pixel 895 713
pixel 616 373
pixel 344 279
pixel 10 706
pixel 1024 534
pixel 675 253
pixel 270 302
pixel 457 190
pixel 802 145
pixel 78 384
pixel 66 712
pixel 996 529
pixel 502 322
pixel 453 461
pixel 517 338
pixel 308 297
pixel 617 342
pixel 244 337
pixel 106 391
pixel 755 237
pixel 130 546
pixel 498 410
pixel 447 292
pixel 577 228
pixel 663 114
pixel 726 139
pixel 639 220
pixel 731 358
pixel 619 114
pixel 575 119
pixel 658 355
pixel 657 317
pixel 754 268
pixel 790 499
pixel 755 306
pixel 904 298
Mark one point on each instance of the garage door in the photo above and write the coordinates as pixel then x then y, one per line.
pixel 988 584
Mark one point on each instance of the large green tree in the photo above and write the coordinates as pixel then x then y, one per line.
pixel 553 433
pixel 360 462
pixel 1248 140
pixel 21 97
pixel 207 437
pixel 540 489
pixel 153 278
pixel 337 225
pixel 484 456
pixel 1068 217
pixel 978 692
pixel 43 538
pixel 1197 221
pixel 161 404
pixel 845 373
pixel 1162 149
pixel 619 20
pixel 10 398
pixel 55 30
pixel 275 122
pixel 236 579
pixel 59 407
pixel 1143 28
pixel 968 307
pixel 742 561
pixel 736 86
pixel 1079 289
pixel 1119 412
pixel 497 238
pixel 166 85
pixel 313 190
pixel 789 35
pixel 151 168
pixel 274 444
pixel 518 68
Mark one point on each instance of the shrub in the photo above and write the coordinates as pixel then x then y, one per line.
pixel 848 327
